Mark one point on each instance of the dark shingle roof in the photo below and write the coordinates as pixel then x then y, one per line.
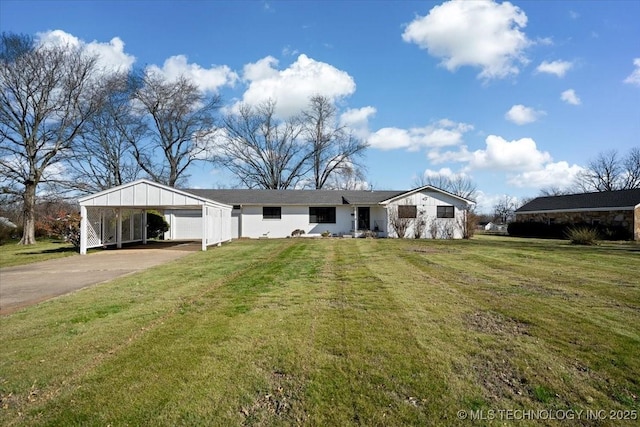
pixel 295 197
pixel 600 200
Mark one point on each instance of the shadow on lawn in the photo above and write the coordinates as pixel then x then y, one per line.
pixel 49 251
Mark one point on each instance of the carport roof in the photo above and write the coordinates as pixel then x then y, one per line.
pixel 147 194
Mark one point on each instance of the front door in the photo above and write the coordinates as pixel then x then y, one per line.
pixel 364 218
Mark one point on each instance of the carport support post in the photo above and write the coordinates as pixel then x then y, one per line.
pixel 204 227
pixel 119 228
pixel 144 226
pixel 355 221
pixel 83 230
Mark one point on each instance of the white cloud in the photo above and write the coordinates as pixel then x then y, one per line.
pixel 207 79
pixel 521 115
pixel 518 155
pixel 436 156
pixel 480 34
pixel 292 87
pixel 634 77
pixel 445 172
pixel 441 134
pixel 558 174
pixel 357 119
pixel 559 68
pixel 111 55
pixel 570 97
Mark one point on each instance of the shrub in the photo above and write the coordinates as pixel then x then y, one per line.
pixel 559 231
pixel 5 233
pixel 326 234
pixel 156 224
pixel 297 233
pixel 64 225
pixel 582 235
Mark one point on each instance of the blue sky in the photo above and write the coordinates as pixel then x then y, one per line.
pixel 517 96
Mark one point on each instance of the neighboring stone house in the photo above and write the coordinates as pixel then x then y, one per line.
pixel 609 208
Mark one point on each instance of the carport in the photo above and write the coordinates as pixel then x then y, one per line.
pixel 119 215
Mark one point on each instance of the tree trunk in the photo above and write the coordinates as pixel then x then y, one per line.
pixel 29 215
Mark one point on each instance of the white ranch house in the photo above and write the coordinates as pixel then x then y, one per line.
pixel 118 215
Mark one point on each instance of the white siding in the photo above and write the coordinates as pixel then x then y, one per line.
pixel 427 203
pixel 293 218
pixel 184 224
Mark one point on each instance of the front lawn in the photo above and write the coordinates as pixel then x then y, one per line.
pixel 12 254
pixel 338 332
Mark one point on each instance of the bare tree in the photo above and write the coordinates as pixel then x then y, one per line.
pixel 180 121
pixel 553 191
pixel 261 150
pixel 332 146
pixel 608 171
pixel 45 100
pixel 398 223
pixel 102 157
pixel 458 184
pixel 505 208
pixel 632 169
pixel 348 177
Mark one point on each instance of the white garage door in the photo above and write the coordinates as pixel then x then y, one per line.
pixel 186 225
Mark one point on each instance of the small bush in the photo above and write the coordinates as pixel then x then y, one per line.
pixel 5 233
pixel 326 234
pixel 156 225
pixel 297 232
pixel 583 235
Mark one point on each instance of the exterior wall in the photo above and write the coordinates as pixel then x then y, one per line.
pixel 379 220
pixel 628 219
pixel 252 225
pixel 186 224
pixel 427 203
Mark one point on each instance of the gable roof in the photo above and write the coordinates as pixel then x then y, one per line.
pixel 426 188
pixel 145 193
pixel 295 197
pixel 621 199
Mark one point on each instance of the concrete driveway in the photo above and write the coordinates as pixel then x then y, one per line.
pixel 30 284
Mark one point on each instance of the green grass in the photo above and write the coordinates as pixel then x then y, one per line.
pixel 334 332
pixel 12 254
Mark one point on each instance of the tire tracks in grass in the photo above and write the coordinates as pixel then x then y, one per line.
pixel 73 381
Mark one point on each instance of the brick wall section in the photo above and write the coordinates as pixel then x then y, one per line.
pixel 628 219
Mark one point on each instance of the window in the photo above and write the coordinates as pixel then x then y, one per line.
pixel 322 215
pixel 271 212
pixel 237 207
pixel 407 211
pixel 445 211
